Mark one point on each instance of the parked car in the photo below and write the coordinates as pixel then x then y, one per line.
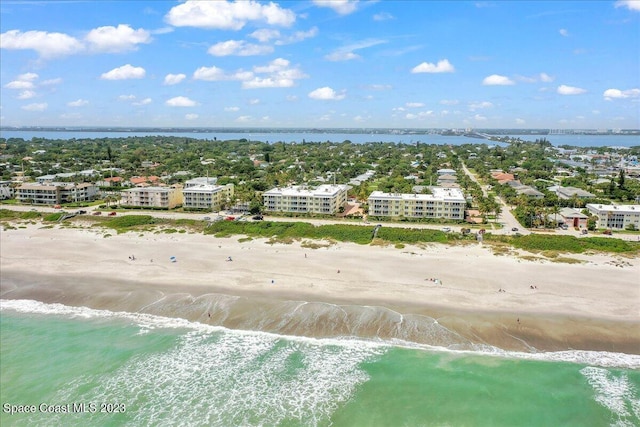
pixel 57 207
pixel 112 214
pixel 257 217
pixel 446 229
pixel 207 218
pixel 514 229
pixel 607 232
pixel 230 218
pixel 81 212
pixel 97 213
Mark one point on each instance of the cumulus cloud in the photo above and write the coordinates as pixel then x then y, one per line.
pixel 19 84
pixel 383 16
pixel 326 93
pixel 232 109
pixel 209 74
pixel 443 66
pixel 111 39
pixel 35 107
pixel 78 103
pixel 298 36
pixel 570 90
pixel 564 32
pixel 173 79
pixel 342 7
pixel 180 101
pixel 26 94
pixel 192 116
pixel 629 4
pixel 47 45
pixel 497 80
pixel 611 94
pixel 145 101
pixel 544 77
pixel 264 35
pixel 226 15
pixel 449 102
pixel 479 105
pixel 239 48
pixel 279 73
pixel 414 104
pixel 123 73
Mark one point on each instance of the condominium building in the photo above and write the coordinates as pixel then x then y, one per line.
pixel 203 193
pixel 324 199
pixel 446 203
pixel 616 217
pixel 152 197
pixel 56 192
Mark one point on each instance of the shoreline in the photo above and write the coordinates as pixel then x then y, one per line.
pixel 337 290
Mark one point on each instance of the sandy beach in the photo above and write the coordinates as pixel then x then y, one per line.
pixel 455 296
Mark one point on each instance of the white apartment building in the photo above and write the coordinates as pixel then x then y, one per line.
pixel 324 199
pixel 446 203
pixel 616 217
pixel 152 197
pixel 56 192
pixel 203 193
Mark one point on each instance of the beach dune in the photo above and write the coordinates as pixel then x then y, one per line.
pixel 452 296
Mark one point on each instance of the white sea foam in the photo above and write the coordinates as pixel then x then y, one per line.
pixel 148 322
pixel 616 393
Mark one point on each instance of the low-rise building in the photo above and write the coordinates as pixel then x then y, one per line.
pixel 6 190
pixel 324 199
pixel 567 193
pixel 203 193
pixel 56 192
pixel 617 217
pixel 152 197
pixel 448 203
pixel 572 218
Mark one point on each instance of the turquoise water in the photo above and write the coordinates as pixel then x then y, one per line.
pixel 130 369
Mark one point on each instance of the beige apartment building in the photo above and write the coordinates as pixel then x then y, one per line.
pixel 203 193
pixel 324 199
pixel 616 217
pixel 448 203
pixel 152 197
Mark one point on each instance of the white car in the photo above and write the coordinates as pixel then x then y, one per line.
pixel 446 229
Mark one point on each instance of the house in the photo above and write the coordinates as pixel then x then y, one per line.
pixel 446 203
pixel 446 172
pixel 617 217
pixel 567 193
pixel 142 181
pixel 572 218
pixel 115 181
pixel 324 199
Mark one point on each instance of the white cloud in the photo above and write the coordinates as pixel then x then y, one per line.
pixel 226 15
pixel 420 115
pixel 48 45
pixel 479 118
pixel 125 72
pixel 564 32
pixel 19 84
pixel 126 97
pixel 145 101
pixel 267 82
pixel 26 94
pixel 449 102
pixel 111 39
pixel 209 74
pixel 35 107
pixel 243 119
pixel 298 36
pixel 280 74
pixel 342 7
pixel 346 53
pixel 51 82
pixel 341 56
pixel 611 94
pixel 383 16
pixel 326 93
pixel 232 109
pixel 264 35
pixel 480 105
pixel 497 80
pixel 629 4
pixel 254 101
pixel 239 48
pixel 29 77
pixel 570 90
pixel 180 101
pixel 414 104
pixel 544 77
pixel 520 121
pixel 78 103
pixel 173 79
pixel 192 116
pixel 443 66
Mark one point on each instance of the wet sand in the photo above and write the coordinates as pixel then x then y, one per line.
pixel 437 295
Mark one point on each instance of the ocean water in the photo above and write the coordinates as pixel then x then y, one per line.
pixel 83 367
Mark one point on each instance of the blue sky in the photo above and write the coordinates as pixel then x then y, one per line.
pixel 355 64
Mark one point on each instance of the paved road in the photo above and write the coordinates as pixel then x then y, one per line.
pixel 190 215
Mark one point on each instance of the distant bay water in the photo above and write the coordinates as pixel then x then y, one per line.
pixel 356 138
